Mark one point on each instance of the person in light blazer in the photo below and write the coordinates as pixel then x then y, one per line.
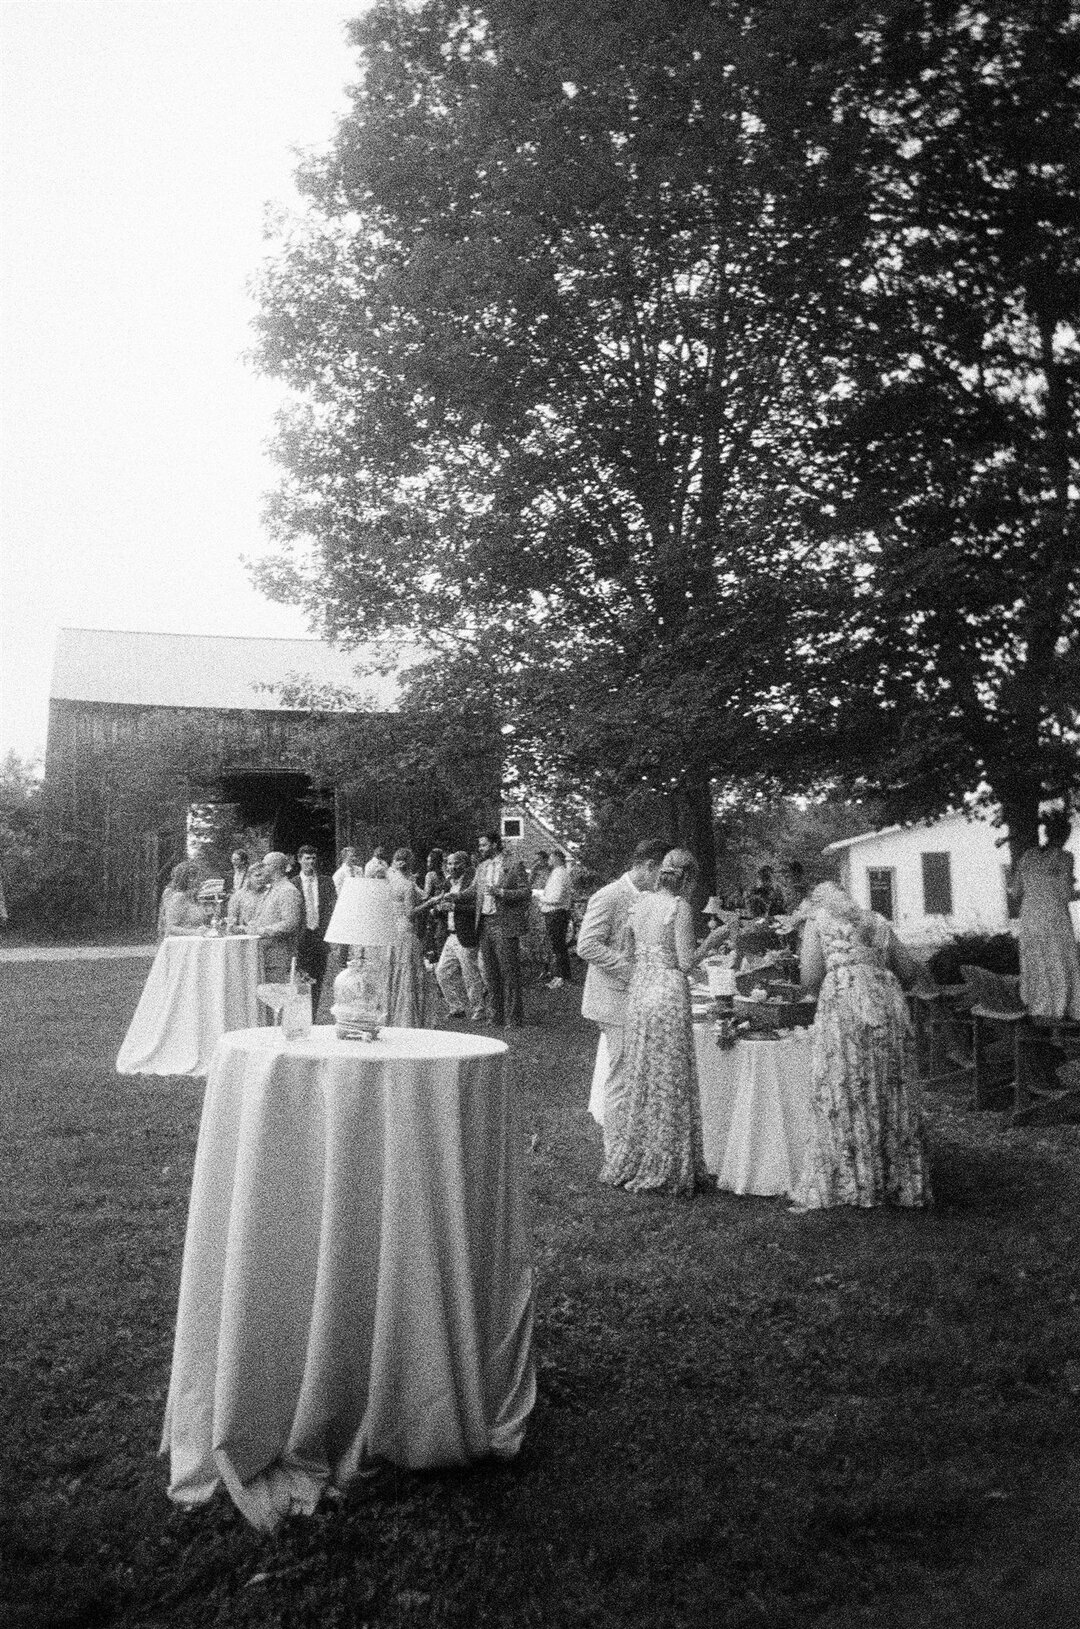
pixel 503 895
pixel 601 944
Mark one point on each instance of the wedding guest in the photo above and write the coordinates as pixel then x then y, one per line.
pixel 866 1138
pixel 658 1144
pixel 765 897
pixel 377 866
pixel 541 869
pixel 240 861
pixel 600 944
pixel 181 912
pixel 555 910
pixel 277 920
pixel 503 896
pixel 244 903
pixel 1044 883
pixel 350 867
pixel 408 1006
pixel 434 925
pixel 318 893
pixel 458 969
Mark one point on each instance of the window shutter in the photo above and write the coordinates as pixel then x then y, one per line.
pixel 880 886
pixel 936 884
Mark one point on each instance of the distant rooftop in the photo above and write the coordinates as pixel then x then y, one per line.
pixel 203 670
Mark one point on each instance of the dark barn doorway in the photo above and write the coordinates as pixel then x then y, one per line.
pixel 287 808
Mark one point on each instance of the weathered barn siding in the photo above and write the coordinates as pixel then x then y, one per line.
pixel 128 753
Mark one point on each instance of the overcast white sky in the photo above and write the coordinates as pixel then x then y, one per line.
pixel 140 142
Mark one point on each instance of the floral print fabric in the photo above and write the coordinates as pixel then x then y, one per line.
pixel 866 1141
pixel 658 1145
pixel 1049 963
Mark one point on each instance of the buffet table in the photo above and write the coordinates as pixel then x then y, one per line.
pixel 356 1279
pixel 755 1108
pixel 198 988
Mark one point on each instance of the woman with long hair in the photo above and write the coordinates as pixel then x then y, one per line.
pixel 181 913
pixel 408 996
pixel 657 1147
pixel 1045 885
pixel 866 1138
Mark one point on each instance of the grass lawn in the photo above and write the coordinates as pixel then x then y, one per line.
pixel 745 1417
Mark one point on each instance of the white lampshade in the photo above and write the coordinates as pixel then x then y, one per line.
pixel 365 913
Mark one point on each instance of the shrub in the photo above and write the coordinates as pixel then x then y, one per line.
pixel 996 952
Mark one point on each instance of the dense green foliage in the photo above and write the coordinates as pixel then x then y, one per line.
pixel 697 383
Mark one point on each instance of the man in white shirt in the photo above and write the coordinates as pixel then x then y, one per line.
pixel 277 920
pixel 601 943
pixel 317 892
pixel 502 916
pixel 458 969
pixel 555 909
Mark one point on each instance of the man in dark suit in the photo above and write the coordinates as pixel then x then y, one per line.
pixel 503 894
pixel 316 892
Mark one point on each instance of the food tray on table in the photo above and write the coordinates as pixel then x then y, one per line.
pixel 790 1010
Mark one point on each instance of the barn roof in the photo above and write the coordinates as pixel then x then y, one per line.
pixel 219 671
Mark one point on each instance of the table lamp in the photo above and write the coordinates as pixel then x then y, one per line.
pixel 367 919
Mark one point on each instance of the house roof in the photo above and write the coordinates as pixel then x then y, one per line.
pixel 888 831
pixel 219 671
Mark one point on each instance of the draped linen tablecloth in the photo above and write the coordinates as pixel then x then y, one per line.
pixel 198 988
pixel 357 1280
pixel 755 1108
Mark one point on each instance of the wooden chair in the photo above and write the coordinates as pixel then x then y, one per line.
pixel 941 1018
pixel 1038 1048
pixel 997 1015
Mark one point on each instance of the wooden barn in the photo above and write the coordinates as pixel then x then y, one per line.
pixel 158 741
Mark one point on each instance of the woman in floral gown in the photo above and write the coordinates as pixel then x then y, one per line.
pixel 408 1006
pixel 866 1141
pixel 1045 884
pixel 658 1145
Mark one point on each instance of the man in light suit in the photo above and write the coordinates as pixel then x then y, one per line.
pixel 277 920
pixel 503 893
pixel 601 944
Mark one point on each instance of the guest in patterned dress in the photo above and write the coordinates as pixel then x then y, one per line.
pixel 1049 964
pixel 657 1143
pixel 866 1140
pixel 408 1003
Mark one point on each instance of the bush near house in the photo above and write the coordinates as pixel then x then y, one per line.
pixel 996 952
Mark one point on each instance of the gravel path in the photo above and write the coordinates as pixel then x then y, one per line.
pixel 73 953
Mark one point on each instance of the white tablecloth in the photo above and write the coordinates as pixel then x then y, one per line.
pixel 357 1280
pixel 755 1108
pixel 197 990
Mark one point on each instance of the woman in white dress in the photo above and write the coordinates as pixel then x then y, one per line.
pixel 657 1147
pixel 181 914
pixel 408 1006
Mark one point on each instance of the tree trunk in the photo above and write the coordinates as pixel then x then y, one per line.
pixel 1019 795
pixel 693 809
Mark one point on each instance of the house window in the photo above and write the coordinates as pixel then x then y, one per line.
pixel 1012 904
pixel 936 884
pixel 881 887
pixel 512 825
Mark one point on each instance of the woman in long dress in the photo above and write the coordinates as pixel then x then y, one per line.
pixel 408 1005
pixel 658 1146
pixel 1045 884
pixel 866 1138
pixel 181 915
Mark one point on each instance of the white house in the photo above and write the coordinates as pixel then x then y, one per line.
pixel 933 880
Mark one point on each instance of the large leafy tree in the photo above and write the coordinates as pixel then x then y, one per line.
pixel 555 320
pixel 955 418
